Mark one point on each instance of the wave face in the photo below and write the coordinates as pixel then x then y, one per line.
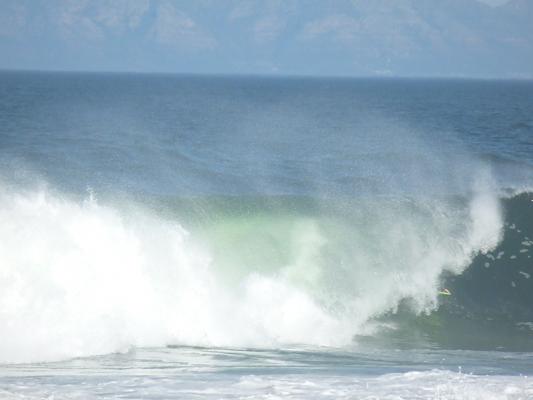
pixel 495 293
pixel 490 303
pixel 81 278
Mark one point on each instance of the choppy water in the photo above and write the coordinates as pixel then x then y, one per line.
pixel 216 237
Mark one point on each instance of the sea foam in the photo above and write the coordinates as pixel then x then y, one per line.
pixel 80 278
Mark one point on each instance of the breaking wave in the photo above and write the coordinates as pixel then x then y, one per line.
pixel 81 277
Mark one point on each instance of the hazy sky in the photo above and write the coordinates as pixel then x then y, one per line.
pixel 489 38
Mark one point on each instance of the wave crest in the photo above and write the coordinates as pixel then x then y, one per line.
pixel 79 278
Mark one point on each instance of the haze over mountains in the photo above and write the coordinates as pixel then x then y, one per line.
pixel 453 38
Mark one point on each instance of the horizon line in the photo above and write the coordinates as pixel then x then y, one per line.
pixel 268 75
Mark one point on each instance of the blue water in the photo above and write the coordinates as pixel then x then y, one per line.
pixel 171 134
pixel 166 236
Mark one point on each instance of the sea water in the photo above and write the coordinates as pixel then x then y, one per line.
pixel 167 236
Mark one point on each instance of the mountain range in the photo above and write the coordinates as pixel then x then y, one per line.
pixel 444 38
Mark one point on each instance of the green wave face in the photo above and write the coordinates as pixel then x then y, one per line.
pixel 358 258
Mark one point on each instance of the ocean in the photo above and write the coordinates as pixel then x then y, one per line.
pixel 243 237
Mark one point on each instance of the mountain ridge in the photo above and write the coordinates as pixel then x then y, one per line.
pixel 338 37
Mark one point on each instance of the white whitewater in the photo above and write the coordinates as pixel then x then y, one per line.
pixel 78 278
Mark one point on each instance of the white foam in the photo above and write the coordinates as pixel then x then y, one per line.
pixel 423 385
pixel 79 278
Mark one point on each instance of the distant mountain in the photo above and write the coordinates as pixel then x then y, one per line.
pixel 335 37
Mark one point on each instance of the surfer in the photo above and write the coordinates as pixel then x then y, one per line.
pixel 445 292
